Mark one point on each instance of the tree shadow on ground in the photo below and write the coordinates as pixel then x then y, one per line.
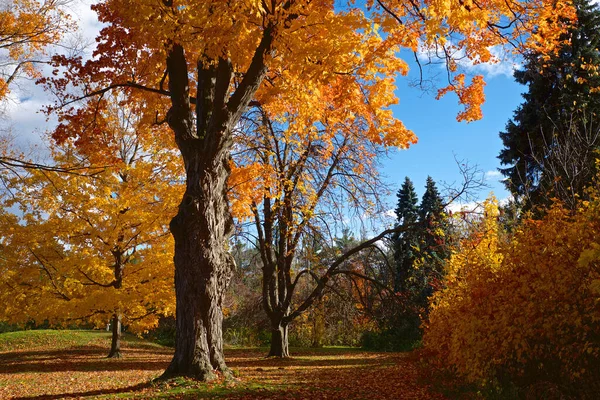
pixel 99 392
pixel 80 359
pixel 313 374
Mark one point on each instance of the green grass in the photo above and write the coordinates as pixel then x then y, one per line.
pixel 183 388
pixel 33 339
pixel 64 339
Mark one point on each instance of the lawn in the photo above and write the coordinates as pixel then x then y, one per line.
pixel 72 364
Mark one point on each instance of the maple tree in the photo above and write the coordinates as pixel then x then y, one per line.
pixel 27 28
pixel 303 166
pixel 93 248
pixel 198 65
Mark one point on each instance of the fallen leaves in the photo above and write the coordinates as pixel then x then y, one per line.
pixel 55 370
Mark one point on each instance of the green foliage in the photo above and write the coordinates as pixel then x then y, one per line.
pixel 419 254
pixel 6 327
pixel 163 333
pixel 405 243
pixel 421 251
pixel 390 341
pixel 246 337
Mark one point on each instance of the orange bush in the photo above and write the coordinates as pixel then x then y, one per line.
pixel 524 308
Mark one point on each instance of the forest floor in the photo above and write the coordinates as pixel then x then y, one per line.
pixel 72 364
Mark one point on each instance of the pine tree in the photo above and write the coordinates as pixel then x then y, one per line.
pixel 550 141
pixel 405 243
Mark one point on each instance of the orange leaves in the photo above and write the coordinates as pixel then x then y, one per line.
pixel 248 185
pixel 65 364
pixel 523 306
pixel 27 27
pixel 452 30
pixel 3 88
pixel 471 97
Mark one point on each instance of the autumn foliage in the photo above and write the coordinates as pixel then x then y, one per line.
pixel 523 309
pixel 27 28
pixel 90 240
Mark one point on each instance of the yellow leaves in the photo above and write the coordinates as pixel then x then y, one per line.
pixel 26 28
pixel 508 303
pixel 77 231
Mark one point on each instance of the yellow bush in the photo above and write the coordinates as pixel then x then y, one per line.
pixel 524 308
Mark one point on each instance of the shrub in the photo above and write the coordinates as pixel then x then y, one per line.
pixel 523 310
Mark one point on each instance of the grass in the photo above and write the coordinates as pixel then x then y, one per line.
pixel 44 338
pixel 57 364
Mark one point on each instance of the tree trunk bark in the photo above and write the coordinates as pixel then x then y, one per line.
pixel 115 346
pixel 203 225
pixel 203 269
pixel 279 341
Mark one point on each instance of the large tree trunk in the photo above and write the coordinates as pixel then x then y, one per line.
pixel 203 269
pixel 203 225
pixel 201 228
pixel 279 341
pixel 115 345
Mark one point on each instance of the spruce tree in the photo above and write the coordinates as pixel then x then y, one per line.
pixel 419 254
pixel 433 244
pixel 405 242
pixel 549 143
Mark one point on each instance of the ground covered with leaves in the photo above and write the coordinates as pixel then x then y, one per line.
pixel 72 364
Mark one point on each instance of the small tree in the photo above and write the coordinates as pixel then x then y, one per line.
pixel 297 183
pixel 94 248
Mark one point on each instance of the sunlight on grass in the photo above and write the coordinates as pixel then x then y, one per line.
pixel 57 364
pixel 33 339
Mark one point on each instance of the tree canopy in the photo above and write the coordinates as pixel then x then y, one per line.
pixel 198 66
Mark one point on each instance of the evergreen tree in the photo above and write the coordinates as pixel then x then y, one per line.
pixel 433 244
pixel 549 144
pixel 405 242
pixel 431 203
pixel 419 255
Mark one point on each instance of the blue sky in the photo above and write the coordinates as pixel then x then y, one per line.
pixel 441 137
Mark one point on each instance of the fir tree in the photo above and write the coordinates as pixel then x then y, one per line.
pixel 419 254
pixel 404 243
pixel 549 144
pixel 433 243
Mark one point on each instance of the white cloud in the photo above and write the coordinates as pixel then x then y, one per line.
pixel 474 206
pixel 471 206
pixel 21 112
pixel 391 213
pixel 493 174
pixel 502 64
